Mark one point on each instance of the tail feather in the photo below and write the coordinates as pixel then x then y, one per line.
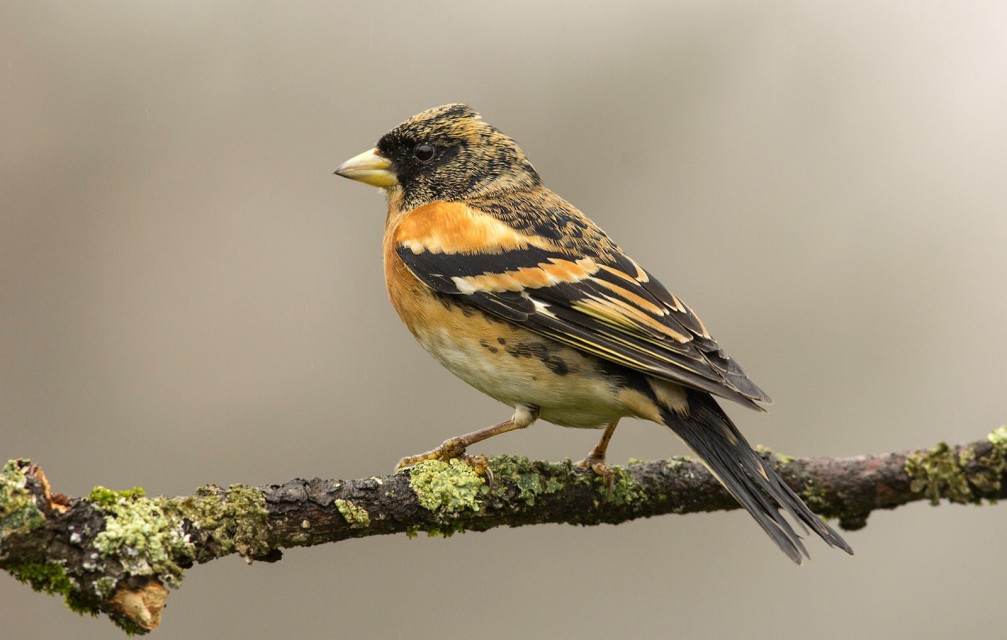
pixel 757 487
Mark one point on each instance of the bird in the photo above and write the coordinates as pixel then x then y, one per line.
pixel 522 296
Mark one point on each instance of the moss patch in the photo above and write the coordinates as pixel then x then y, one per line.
pixel 104 497
pixel 52 579
pixel 48 578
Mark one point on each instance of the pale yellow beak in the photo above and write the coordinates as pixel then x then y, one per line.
pixel 369 167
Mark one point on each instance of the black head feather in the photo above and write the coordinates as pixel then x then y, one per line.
pixel 450 153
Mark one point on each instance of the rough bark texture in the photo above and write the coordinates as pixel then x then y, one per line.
pixel 117 552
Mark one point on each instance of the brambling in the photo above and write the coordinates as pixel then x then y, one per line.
pixel 520 295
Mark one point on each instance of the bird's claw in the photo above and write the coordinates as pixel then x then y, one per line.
pixel 450 450
pixel 601 469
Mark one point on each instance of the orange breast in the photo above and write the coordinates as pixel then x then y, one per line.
pixel 453 227
pixel 411 298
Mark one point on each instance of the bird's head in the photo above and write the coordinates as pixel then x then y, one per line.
pixel 444 153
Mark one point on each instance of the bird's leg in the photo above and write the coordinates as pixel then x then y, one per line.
pixel 455 447
pixel 596 459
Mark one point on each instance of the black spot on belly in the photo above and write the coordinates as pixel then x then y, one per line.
pixel 502 340
pixel 486 345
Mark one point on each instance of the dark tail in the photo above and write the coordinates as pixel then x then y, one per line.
pixel 714 438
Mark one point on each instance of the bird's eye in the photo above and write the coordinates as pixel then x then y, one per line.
pixel 423 152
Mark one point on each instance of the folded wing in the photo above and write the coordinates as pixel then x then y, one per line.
pixel 581 291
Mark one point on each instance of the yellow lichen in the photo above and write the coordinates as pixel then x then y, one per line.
pixel 446 488
pixel 355 515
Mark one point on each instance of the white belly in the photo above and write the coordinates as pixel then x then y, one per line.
pixel 520 368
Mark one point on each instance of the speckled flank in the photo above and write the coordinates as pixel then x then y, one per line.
pixel 542 351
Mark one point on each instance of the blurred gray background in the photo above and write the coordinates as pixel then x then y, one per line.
pixel 187 294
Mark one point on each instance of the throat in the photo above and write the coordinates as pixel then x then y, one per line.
pixel 395 199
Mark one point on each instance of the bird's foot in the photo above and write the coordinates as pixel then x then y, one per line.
pixel 600 467
pixel 451 449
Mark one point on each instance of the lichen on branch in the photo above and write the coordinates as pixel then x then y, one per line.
pixel 119 553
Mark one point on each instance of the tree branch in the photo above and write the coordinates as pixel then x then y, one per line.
pixel 117 552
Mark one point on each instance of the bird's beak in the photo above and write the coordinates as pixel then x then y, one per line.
pixel 369 167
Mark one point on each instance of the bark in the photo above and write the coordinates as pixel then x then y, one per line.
pixel 118 552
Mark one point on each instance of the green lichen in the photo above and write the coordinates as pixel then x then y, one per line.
pixel 19 515
pixel 815 497
pixel 828 506
pixel 533 480
pixel 961 476
pixel 938 473
pixel 355 515
pixel 999 438
pixel 677 463
pixel 18 512
pixel 446 488
pixel 990 469
pixel 231 520
pixel 104 587
pixel 530 483
pixel 620 488
pixel 146 539
pixel 765 451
